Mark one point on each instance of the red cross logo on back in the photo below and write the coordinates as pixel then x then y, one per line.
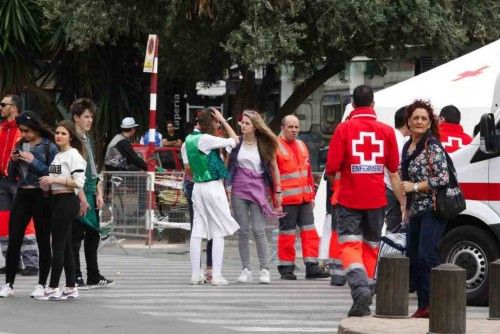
pixel 368 148
pixel 453 144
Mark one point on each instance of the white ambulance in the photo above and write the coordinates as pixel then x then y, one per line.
pixel 472 83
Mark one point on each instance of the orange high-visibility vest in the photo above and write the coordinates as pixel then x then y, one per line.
pixel 295 186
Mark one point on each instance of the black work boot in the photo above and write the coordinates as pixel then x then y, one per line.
pixel 361 305
pixel 286 272
pixel 336 278
pixel 313 270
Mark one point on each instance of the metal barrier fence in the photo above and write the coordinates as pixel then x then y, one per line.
pixel 128 202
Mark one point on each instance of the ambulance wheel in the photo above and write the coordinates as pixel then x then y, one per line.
pixel 472 249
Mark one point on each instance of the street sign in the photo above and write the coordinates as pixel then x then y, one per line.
pixel 149 61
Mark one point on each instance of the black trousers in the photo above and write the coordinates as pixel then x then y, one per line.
pixel 65 209
pixel 29 203
pixel 90 237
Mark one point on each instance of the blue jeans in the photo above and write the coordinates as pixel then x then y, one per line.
pixel 422 240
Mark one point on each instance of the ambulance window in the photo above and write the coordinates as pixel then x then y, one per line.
pixel 331 112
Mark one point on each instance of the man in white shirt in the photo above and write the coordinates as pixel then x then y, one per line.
pixel 393 213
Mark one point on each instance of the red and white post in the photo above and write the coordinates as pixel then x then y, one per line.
pixel 151 66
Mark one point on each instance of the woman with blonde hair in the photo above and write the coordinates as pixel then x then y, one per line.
pixel 254 177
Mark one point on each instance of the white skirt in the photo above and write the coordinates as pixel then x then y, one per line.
pixel 212 217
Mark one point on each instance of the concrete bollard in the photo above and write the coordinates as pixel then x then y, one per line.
pixel 447 300
pixel 494 290
pixel 392 286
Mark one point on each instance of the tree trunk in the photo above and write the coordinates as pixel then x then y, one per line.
pixel 268 81
pixel 305 89
pixel 245 96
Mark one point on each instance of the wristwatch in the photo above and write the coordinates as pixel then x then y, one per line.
pixel 415 187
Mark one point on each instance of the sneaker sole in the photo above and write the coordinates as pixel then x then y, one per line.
pixel 196 283
pixel 243 282
pixel 97 286
pixel 69 297
pixel 50 299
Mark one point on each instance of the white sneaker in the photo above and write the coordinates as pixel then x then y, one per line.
pixel 265 277
pixel 245 276
pixel 51 294
pixel 219 281
pixel 6 291
pixel 198 280
pixel 38 292
pixel 70 293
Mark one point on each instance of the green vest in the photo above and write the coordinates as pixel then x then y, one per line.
pixel 91 218
pixel 205 167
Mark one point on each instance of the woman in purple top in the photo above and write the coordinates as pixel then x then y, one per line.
pixel 254 176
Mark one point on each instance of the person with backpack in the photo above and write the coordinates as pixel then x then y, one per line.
pixel 30 160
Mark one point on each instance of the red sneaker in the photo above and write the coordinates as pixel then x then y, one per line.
pixel 421 313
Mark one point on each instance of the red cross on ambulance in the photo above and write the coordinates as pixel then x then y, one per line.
pixel 368 148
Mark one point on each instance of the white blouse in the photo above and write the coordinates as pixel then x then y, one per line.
pixel 249 158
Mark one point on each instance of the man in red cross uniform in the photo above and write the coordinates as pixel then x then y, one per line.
pixel 297 187
pixel 360 149
pixel 451 133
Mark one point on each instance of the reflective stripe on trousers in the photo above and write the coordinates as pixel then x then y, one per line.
pixel 336 269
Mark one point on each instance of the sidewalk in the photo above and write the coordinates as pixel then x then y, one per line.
pixel 372 325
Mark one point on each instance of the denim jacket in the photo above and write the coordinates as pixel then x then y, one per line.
pixel 26 174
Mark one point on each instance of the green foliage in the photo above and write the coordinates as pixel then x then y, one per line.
pixel 20 43
pixel 266 35
pixel 95 47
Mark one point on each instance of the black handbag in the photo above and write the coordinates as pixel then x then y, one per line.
pixel 448 201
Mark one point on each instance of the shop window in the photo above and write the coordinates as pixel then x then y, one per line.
pixel 332 107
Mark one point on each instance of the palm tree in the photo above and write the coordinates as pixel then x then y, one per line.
pixel 20 22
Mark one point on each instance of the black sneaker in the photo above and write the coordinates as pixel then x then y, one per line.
pixel 80 284
pixel 103 282
pixel 29 271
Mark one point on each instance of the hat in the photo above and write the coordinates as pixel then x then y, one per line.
pixel 32 121
pixel 128 123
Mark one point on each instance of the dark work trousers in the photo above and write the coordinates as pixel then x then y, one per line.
pixel 393 216
pixel 29 203
pixel 188 192
pixel 359 236
pixel 65 209
pixel 90 237
pixel 422 239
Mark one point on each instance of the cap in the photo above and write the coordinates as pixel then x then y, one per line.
pixel 128 123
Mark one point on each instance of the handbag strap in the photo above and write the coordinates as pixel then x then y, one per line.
pixel 431 172
pixel 449 166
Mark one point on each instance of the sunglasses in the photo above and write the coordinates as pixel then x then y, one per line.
pixel 3 104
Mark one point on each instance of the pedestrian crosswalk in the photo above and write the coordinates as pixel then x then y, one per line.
pixel 158 287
